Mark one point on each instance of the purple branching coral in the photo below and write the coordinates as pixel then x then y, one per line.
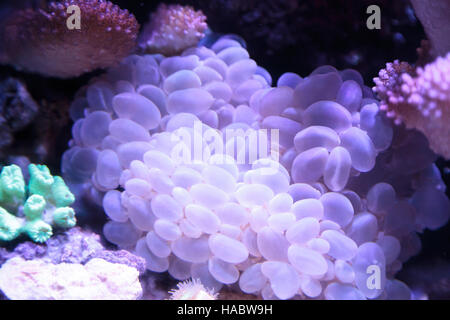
pixel 172 28
pixel 419 98
pixel 38 40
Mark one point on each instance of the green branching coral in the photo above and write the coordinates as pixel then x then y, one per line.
pixel 44 203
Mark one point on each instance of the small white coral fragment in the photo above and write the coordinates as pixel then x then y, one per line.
pixel 192 290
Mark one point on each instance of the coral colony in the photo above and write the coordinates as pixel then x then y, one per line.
pixel 33 209
pixel 313 187
pixel 40 41
pixel 340 197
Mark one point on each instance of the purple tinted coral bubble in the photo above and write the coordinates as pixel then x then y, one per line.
pixel 245 90
pixel 341 246
pixel 328 114
pixel 252 280
pixel 155 95
pixel 99 96
pixel 77 107
pixel 112 205
pixel 209 118
pixel 338 291
pixel 108 169
pixel 309 165
pixel 275 101
pixel 202 218
pixel 287 128
pixel 363 228
pixel 193 100
pixel 380 197
pixel 137 108
pixel 432 207
pixel 222 271
pixel 316 136
pixel 337 169
pixel 391 248
pixel 191 250
pixel 159 247
pixel 140 213
pixel 231 55
pixel 289 79
pixel 173 64
pixel 126 130
pixel 265 74
pixel 82 161
pixel 377 126
pixel 225 42
pixel 147 71
pixel 179 269
pixel 123 86
pixel 272 244
pixel 123 234
pixel 183 79
pixel 240 71
pixel 337 208
pixel 300 191
pixel 324 70
pixel 315 88
pixel 360 147
pixel 350 95
pixel 94 128
pixel 130 151
pixel 307 261
pixel 351 74
pixel 153 262
pixel 207 74
pixel 284 279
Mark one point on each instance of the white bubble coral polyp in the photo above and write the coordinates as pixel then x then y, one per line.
pixel 419 98
pixel 309 229
pixel 173 28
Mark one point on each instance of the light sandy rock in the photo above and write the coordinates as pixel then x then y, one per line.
pixel 96 280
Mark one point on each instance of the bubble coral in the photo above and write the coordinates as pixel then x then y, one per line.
pixel 39 41
pixel 419 98
pixel 305 220
pixel 48 203
pixel 172 28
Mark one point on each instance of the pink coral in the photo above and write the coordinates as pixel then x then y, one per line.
pixel 419 98
pixel 38 40
pixel 172 29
